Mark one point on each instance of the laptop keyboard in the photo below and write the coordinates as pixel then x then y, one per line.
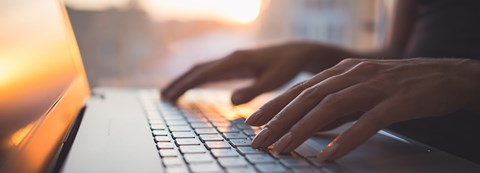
pixel 200 137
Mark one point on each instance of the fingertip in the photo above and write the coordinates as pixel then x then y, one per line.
pixel 242 96
pixel 252 119
pixel 237 99
pixel 328 153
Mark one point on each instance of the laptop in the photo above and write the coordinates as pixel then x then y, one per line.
pixel 51 121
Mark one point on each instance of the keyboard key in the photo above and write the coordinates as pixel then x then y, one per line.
pixel 307 169
pixel 172 161
pixel 235 136
pixel 243 126
pixel 193 115
pixel 160 132
pixel 164 145
pixel 228 129
pixel 306 151
pixel 150 118
pixel 171 114
pixel 240 142
pixel 193 149
pixel 188 141
pixel 232 161
pixel 218 119
pixel 181 128
pixel 174 117
pixel 198 158
pixel 201 125
pixel 206 131
pixel 217 145
pixel 176 122
pixel 250 150
pixel 238 121
pixel 205 167
pixel 162 138
pixel 317 162
pixel 158 127
pixel 276 154
pixel 183 134
pixel 197 120
pixel 294 162
pixel 224 152
pixel 177 169
pixel 270 168
pixel 243 169
pixel 208 137
pixel 223 124
pixel 260 158
pixel 168 153
pixel 249 132
pixel 160 122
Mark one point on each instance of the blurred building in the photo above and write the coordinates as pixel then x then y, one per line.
pixel 122 45
pixel 349 23
pixel 114 43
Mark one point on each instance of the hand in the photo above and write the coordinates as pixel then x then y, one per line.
pixel 270 66
pixel 375 93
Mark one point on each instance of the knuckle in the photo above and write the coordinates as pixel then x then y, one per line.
pixel 269 106
pixel 273 125
pixel 330 72
pixel 239 54
pixel 366 66
pixel 197 66
pixel 333 101
pixel 309 94
pixel 349 61
pixel 238 57
pixel 297 88
pixel 201 65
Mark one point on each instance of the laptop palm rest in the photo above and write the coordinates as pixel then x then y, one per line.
pixel 386 152
pixel 113 137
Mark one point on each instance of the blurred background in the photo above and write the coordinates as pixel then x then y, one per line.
pixel 146 43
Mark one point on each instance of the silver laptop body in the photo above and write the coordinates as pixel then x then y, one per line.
pixel 52 122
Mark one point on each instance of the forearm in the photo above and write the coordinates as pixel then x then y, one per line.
pixel 472 68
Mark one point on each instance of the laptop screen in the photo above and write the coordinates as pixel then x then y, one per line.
pixel 37 66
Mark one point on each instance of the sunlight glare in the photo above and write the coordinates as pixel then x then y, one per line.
pixel 231 11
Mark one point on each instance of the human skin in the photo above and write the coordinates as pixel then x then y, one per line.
pixel 270 66
pixel 374 93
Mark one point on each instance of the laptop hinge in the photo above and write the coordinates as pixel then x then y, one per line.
pixel 64 149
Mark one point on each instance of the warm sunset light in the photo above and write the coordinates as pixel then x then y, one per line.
pixel 231 11
pixel 19 135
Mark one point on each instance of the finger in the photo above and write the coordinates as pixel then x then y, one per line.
pixel 234 62
pixel 300 106
pixel 194 70
pixel 340 121
pixel 271 108
pixel 270 80
pixel 368 125
pixel 335 106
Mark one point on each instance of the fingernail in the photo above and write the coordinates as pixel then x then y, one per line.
pixel 260 138
pixel 254 117
pixel 328 152
pixel 281 144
